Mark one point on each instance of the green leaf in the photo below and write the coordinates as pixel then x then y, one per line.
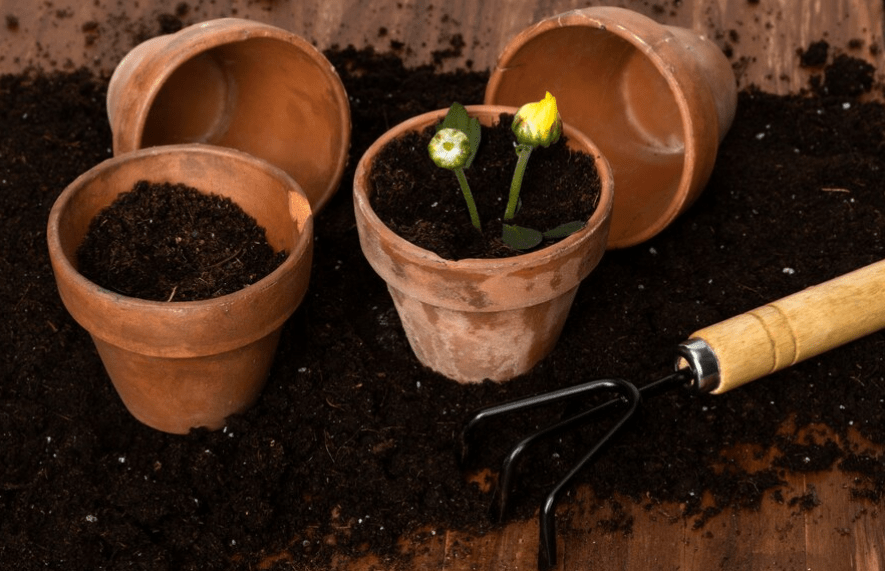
pixel 474 133
pixel 564 230
pixel 520 237
pixel 457 118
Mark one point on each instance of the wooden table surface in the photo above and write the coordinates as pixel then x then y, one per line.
pixel 813 523
pixel 838 534
pixel 835 534
pixel 762 36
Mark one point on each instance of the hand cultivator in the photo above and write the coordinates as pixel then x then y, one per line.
pixel 712 360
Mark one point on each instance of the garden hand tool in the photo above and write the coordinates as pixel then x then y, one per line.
pixel 713 360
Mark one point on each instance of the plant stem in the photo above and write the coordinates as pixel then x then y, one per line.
pixel 468 196
pixel 523 152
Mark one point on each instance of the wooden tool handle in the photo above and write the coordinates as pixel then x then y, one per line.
pixel 799 326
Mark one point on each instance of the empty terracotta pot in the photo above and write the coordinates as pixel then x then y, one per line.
pixel 180 365
pixel 240 84
pixel 477 319
pixel 656 99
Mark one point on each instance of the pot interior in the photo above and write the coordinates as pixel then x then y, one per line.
pixel 260 95
pixel 612 91
pixel 209 173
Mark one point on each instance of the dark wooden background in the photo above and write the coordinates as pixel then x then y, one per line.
pixel 763 37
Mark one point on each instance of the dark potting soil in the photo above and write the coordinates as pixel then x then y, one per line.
pixel 170 242
pixel 424 204
pixel 352 444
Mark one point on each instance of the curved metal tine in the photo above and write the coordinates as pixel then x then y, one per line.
pixel 517 405
pixel 501 495
pixel 547 517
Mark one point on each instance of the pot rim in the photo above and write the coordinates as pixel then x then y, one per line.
pixel 191 41
pixel 63 264
pixel 623 23
pixel 658 43
pixel 484 266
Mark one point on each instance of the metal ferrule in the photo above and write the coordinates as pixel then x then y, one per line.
pixel 703 364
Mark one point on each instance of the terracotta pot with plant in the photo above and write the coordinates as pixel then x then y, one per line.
pixel 474 319
pixel 180 365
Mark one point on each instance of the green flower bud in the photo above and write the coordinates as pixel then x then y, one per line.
pixel 539 123
pixel 449 148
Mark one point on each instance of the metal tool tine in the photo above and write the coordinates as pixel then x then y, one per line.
pixel 547 517
pixel 516 405
pixel 508 467
pixel 629 393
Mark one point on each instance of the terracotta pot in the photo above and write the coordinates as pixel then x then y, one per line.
pixel 476 319
pixel 656 99
pixel 180 365
pixel 240 84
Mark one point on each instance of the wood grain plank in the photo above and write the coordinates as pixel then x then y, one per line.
pixel 762 38
pixel 869 544
pixel 837 533
pixel 813 522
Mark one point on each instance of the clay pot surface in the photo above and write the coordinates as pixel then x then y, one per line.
pixel 656 99
pixel 477 319
pixel 240 84
pixel 181 365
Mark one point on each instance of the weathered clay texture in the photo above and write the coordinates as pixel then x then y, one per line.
pixel 181 365
pixel 240 84
pixel 478 319
pixel 656 99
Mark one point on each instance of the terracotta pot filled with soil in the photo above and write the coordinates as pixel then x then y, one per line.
pixel 656 99
pixel 183 364
pixel 240 84
pixel 475 313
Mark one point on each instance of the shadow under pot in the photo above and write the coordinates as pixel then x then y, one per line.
pixel 182 365
pixel 475 319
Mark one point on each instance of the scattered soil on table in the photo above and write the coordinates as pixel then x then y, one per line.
pixel 352 444
pixel 169 242
pixel 423 203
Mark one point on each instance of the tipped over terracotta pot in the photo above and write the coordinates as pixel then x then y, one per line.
pixel 240 84
pixel 181 365
pixel 477 319
pixel 656 99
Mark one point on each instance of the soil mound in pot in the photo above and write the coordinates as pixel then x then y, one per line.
pixel 169 242
pixel 351 445
pixel 424 204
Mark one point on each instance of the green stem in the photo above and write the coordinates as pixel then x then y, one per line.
pixel 468 196
pixel 523 152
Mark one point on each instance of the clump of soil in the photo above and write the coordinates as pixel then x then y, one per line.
pixel 352 444
pixel 170 242
pixel 423 203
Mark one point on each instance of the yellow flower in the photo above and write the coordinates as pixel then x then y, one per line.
pixel 449 148
pixel 538 123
